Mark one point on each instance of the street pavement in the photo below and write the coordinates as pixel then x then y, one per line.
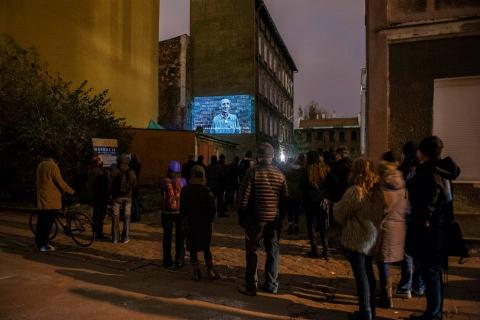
pixel 127 281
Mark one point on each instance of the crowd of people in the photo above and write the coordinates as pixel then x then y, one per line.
pixel 396 212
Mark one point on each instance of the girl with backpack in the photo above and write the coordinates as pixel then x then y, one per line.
pixel 171 215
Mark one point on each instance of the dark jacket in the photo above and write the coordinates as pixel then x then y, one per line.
pixel 341 170
pixel 432 211
pixel 216 177
pixel 198 205
pixel 294 175
pixel 313 195
pixel 98 185
pixel 263 193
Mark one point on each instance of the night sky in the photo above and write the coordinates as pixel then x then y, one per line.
pixel 326 39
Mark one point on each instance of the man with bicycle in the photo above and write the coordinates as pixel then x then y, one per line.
pixel 50 186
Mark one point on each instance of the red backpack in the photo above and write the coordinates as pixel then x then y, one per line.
pixel 171 195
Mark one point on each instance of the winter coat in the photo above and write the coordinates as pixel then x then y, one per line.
pixel 216 177
pixel 131 180
pixel 263 193
pixel 198 205
pixel 360 218
pixel 432 211
pixel 98 185
pixel 50 185
pixel 341 170
pixel 294 175
pixel 393 228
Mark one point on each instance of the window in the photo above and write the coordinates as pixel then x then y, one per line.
pixel 342 136
pixel 331 136
pixel 309 136
pixel 353 135
pixel 320 136
pixel 456 120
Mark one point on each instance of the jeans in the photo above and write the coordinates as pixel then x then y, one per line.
pixel 316 222
pixel 432 275
pixel 383 274
pixel 219 196
pixel 169 220
pixel 294 206
pixel 118 203
pixel 45 221
pixel 255 234
pixel 135 205
pixel 411 278
pixel 99 212
pixel 364 280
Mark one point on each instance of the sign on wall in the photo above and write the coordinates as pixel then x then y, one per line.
pixel 106 149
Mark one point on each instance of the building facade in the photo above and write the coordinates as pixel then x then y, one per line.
pixel 111 44
pixel 423 67
pixel 237 50
pixel 174 85
pixel 328 134
pixel 410 45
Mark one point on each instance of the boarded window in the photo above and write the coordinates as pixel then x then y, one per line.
pixel 456 120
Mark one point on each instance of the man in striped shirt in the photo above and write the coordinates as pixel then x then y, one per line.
pixel 263 194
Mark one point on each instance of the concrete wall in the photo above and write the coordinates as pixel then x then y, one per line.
pixel 111 43
pixel 400 11
pixel 174 85
pixel 156 148
pixel 223 47
pixel 377 88
pixel 413 66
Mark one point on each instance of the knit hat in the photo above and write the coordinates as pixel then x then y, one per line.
pixel 431 147
pixel 197 175
pixel 174 166
pixel 265 150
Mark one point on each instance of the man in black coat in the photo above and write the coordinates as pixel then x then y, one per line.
pixel 432 211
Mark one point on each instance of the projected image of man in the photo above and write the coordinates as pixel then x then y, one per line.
pixel 225 122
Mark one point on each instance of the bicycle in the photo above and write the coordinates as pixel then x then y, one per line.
pixel 75 224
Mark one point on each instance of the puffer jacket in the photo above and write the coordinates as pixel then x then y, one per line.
pixel 50 185
pixel 393 228
pixel 263 193
pixel 359 218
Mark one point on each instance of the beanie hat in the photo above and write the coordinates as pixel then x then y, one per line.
pixel 265 150
pixel 174 166
pixel 197 175
pixel 431 147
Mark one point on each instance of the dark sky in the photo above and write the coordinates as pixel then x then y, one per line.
pixel 326 39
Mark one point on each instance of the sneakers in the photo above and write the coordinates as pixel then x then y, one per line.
pixel 46 248
pixel 266 289
pixel 126 241
pixel 405 294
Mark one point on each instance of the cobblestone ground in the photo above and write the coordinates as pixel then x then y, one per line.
pixel 126 281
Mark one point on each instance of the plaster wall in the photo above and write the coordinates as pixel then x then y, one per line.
pixel 111 43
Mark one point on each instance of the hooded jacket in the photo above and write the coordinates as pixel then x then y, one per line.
pixel 432 210
pixel 392 231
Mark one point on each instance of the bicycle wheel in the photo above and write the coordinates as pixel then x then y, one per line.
pixel 81 230
pixel 33 226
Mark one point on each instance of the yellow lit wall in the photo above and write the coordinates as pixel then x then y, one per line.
pixel 111 43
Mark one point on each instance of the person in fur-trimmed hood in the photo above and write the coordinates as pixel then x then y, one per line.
pixel 391 240
pixel 359 212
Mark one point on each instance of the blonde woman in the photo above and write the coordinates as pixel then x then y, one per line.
pixel 318 188
pixel 359 212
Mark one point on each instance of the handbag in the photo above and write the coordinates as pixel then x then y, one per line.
pixel 359 235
